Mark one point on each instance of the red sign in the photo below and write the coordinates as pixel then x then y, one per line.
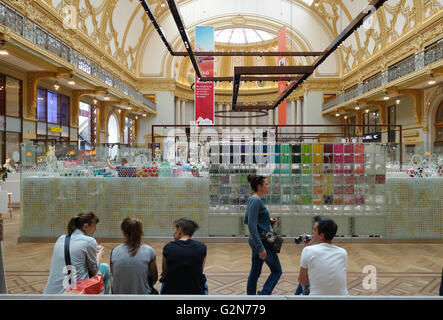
pixel 282 84
pixel 204 91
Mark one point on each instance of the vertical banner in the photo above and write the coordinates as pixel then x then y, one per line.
pixel 282 84
pixel 204 91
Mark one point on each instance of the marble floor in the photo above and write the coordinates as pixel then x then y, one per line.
pixel 403 269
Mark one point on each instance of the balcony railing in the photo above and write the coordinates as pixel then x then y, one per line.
pixel 30 30
pixel 411 64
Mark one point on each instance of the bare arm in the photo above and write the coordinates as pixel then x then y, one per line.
pixel 303 277
pixel 164 266
pixel 110 165
pixel 153 272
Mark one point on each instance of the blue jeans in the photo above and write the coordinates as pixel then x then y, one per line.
pixel 302 290
pixel 105 271
pixel 274 265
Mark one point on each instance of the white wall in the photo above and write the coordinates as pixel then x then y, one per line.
pixel 405 111
pixel 165 115
pixel 311 113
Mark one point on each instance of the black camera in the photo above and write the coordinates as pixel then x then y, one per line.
pixel 303 238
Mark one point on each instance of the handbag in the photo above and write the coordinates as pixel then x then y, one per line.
pixel 272 240
pixel 93 285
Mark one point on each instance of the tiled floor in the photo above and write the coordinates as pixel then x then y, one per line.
pixel 402 269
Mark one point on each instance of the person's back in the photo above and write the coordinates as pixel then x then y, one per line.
pixel 326 264
pixel 83 257
pixel 185 267
pixel 131 273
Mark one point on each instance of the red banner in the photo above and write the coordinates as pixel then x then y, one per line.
pixel 204 91
pixel 282 84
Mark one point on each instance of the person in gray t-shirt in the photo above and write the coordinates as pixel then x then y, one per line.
pixel 133 264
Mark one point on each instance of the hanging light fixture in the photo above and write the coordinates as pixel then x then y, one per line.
pixel 431 80
pixel 56 86
pixel 3 50
pixel 71 80
pixel 397 101
pixel 95 101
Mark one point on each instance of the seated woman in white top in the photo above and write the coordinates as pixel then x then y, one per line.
pixel 84 255
pixel 133 264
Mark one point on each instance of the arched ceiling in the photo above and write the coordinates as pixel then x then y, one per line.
pixel 121 28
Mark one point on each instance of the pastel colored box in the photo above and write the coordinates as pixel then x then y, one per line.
pixel 338 158
pixel 349 148
pixel 359 148
pixel 338 168
pixel 338 148
pixel 328 148
pixel 328 158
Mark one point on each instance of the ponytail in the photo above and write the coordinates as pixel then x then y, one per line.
pixel 79 220
pixel 133 229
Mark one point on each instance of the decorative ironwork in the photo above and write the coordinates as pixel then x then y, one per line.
pixel 10 18
pixel 411 64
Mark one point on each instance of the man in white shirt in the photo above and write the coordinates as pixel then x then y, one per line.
pixel 323 265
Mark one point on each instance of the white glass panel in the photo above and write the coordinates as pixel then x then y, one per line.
pixel 13 124
pixel 41 128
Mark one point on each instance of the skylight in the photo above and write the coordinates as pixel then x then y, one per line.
pixel 242 35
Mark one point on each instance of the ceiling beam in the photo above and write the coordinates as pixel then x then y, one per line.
pixel 251 54
pixel 151 16
pixel 349 30
pixel 182 30
pixel 230 79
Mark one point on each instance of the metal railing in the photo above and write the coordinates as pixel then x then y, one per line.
pixel 411 64
pixel 33 32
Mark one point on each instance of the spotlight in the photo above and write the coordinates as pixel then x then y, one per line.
pixel 119 111
pixel 71 80
pixel 56 86
pixel 386 98
pixel 3 50
pixel 397 101
pixel 337 114
pixel 346 117
pixel 367 110
pixel 107 96
pixel 357 108
pixel 431 80
pixel 95 101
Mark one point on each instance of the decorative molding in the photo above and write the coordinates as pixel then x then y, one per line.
pixel 32 79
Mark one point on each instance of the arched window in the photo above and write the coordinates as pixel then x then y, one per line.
pixel 113 135
pixel 439 124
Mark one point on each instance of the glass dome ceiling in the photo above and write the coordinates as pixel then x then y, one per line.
pixel 242 35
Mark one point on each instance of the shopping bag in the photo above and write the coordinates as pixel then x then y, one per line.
pixel 94 285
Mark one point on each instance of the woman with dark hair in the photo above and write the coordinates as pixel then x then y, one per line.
pixel 133 264
pixel 257 218
pixel 84 255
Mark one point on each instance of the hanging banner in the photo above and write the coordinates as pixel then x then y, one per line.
pixel 204 91
pixel 282 84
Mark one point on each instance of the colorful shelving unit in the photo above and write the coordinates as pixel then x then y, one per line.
pixel 341 179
